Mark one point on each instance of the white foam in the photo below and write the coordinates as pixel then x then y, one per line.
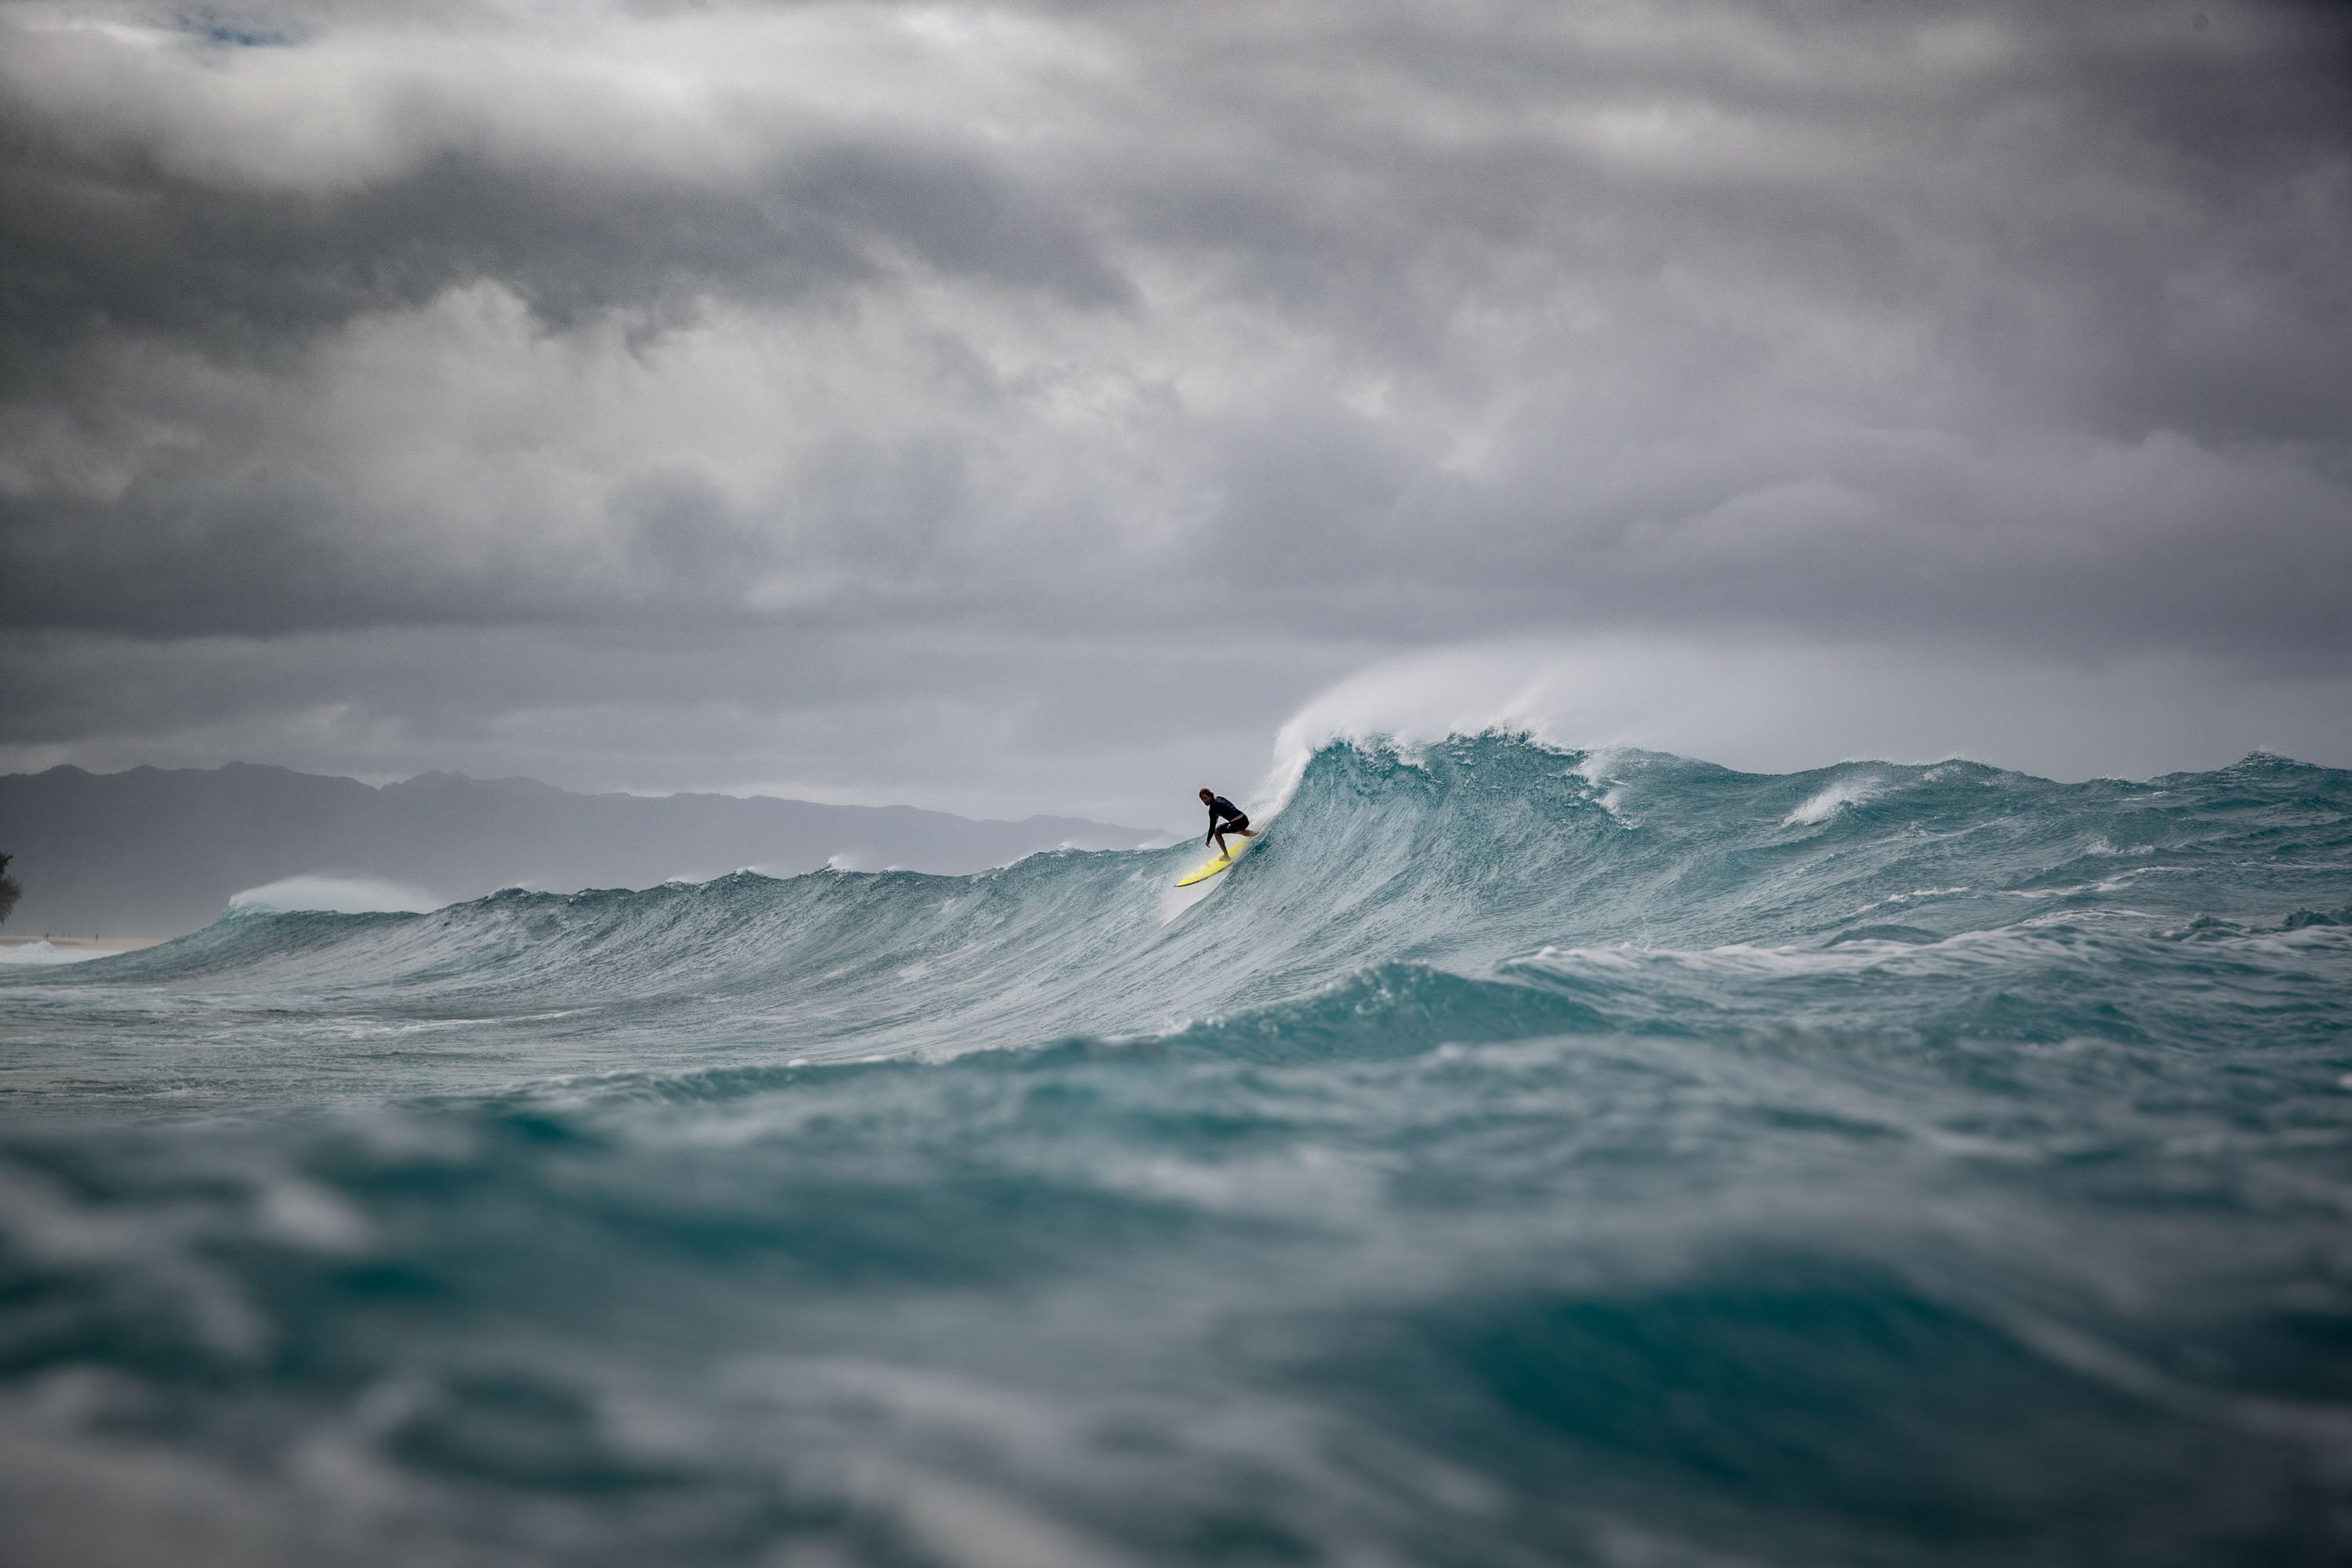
pixel 2102 846
pixel 306 1216
pixel 1845 791
pixel 1175 901
pixel 1607 793
pixel 1906 898
pixel 35 952
pixel 318 894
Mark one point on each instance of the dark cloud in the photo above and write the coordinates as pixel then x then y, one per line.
pixel 898 346
pixel 108 241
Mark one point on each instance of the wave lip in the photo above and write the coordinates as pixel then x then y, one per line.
pixel 1839 796
pixel 321 893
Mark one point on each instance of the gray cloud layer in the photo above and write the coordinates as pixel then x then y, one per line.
pixel 945 401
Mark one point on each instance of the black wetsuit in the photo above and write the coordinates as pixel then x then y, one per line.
pixel 1236 817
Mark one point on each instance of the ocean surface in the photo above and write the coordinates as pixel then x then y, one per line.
pixel 1520 1157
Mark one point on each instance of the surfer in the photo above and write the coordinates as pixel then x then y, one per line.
pixel 1234 818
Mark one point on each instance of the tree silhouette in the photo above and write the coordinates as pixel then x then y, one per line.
pixel 9 892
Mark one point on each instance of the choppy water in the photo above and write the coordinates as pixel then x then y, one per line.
pixel 1519 1158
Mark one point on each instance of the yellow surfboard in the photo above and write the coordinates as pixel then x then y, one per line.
pixel 1235 844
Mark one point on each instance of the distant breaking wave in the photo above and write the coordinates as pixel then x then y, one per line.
pixel 1522 1155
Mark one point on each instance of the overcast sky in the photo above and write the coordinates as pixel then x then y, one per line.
pixel 1015 409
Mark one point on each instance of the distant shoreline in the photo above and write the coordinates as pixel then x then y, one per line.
pixel 87 944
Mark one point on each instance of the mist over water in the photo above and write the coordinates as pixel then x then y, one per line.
pixel 1521 1156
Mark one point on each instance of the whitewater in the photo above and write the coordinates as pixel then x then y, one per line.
pixel 1522 1156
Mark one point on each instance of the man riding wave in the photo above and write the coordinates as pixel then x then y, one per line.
pixel 1225 817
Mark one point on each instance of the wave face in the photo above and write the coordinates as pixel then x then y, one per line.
pixel 1520 1157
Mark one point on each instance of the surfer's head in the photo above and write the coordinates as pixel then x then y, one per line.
pixel 1208 794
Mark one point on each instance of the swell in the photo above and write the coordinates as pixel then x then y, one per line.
pixel 1485 888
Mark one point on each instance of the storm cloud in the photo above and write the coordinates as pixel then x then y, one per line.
pixel 1032 407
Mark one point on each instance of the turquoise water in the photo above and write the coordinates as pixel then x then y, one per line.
pixel 1521 1157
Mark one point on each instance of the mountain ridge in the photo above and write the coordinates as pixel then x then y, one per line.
pixel 162 850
